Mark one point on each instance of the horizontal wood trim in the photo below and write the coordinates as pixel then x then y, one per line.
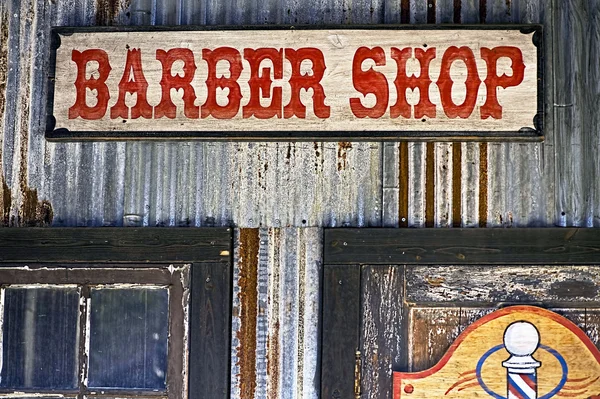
pixel 84 275
pixel 127 245
pixel 462 246
pixel 491 285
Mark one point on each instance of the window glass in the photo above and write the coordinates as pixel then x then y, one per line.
pixel 40 338
pixel 128 338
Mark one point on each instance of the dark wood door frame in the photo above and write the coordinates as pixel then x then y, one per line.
pixel 147 255
pixel 350 256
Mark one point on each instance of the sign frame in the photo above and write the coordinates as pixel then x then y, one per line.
pixel 525 134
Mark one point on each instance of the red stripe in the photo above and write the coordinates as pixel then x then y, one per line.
pixel 515 393
pixel 529 381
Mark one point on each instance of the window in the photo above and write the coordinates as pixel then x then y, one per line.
pixel 88 331
pixel 114 313
pixel 396 299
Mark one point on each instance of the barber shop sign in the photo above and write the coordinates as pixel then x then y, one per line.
pixel 429 83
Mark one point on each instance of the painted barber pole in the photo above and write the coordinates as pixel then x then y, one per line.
pixel 518 352
pixel 521 340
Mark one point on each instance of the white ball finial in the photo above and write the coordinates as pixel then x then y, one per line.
pixel 521 339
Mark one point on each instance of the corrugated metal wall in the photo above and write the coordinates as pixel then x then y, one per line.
pixel 298 184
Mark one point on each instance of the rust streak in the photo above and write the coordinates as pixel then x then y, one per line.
pixel 483 184
pixel 273 362
pixel 457 11
pixel 405 12
pixel 431 17
pixel 430 154
pixel 248 296
pixel 343 148
pixel 5 202
pixel 108 10
pixel 430 185
pixel 403 185
pixel 456 184
pixel 457 152
pixel 482 11
pixel 32 212
pixel 5 197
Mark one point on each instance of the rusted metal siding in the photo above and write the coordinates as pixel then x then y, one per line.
pixel 276 310
pixel 302 184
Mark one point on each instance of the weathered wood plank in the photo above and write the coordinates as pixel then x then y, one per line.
pixel 462 246
pixel 384 333
pixel 432 331
pixel 341 324
pixel 210 340
pixel 509 284
pixel 77 245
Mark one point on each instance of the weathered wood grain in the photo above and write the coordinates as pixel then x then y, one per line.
pixel 341 330
pixel 210 325
pixel 383 334
pixel 592 324
pixel 77 245
pixel 462 246
pixel 575 285
pixel 432 331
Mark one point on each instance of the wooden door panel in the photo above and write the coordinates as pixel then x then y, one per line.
pixel 430 330
pixel 382 329
pixel 418 289
pixel 412 314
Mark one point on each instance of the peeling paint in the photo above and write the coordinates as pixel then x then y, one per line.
pixel 248 296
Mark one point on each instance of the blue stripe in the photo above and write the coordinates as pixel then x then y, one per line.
pixel 514 384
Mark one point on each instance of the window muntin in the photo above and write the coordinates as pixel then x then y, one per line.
pixel 107 321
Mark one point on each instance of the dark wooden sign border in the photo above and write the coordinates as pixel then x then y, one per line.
pixel 523 135
pixel 132 255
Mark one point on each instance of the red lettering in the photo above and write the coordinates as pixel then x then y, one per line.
pixel 445 82
pixel 369 81
pixel 138 85
pixel 211 107
pixel 493 81
pixel 80 108
pixel 260 86
pixel 424 107
pixel 168 82
pixel 299 81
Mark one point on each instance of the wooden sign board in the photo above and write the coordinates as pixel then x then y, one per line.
pixel 386 82
pixel 519 352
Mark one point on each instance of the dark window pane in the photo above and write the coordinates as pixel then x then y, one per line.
pixel 40 338
pixel 128 338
